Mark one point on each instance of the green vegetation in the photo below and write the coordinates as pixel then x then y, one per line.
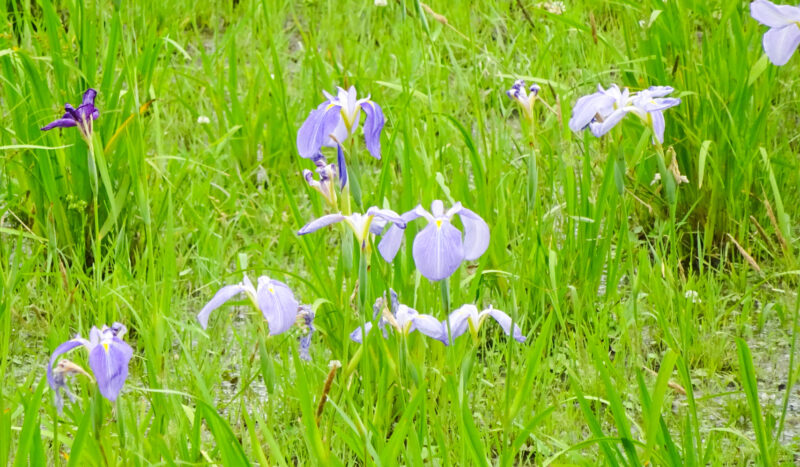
pixel 660 330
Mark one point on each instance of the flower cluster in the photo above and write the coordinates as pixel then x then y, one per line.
pixel 405 320
pixel 601 111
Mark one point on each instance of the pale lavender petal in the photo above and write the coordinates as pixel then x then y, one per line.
pixel 391 240
pixel 458 322
pixel 60 123
pixel 780 43
pixel 505 322
pixel 109 363
pixel 587 107
pixel 223 295
pixel 356 334
pixel 600 128
pixel 277 304
pixel 317 224
pixel 476 234
pixel 774 16
pixel 388 215
pixel 60 350
pixel 431 327
pixel 321 122
pixel 373 125
pixel 342 166
pixel 658 125
pixel 660 91
pixel 661 104
pixel 438 250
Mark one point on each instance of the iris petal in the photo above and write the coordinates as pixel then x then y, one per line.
pixel 277 304
pixel 658 125
pixel 60 123
pixel 373 125
pixel 109 363
pixel 438 250
pixel 587 107
pixel 317 224
pixel 357 336
pixel 391 240
pixel 600 128
pixel 60 350
pixel 476 234
pixel 774 16
pixel 459 322
pixel 223 295
pixel 780 43
pixel 505 322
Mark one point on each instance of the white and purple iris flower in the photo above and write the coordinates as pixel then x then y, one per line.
pixel 373 221
pixel 109 356
pixel 601 111
pixel 467 318
pixel 335 120
pixel 783 36
pixel 525 97
pixel 273 298
pixel 402 318
pixel 81 117
pixel 440 248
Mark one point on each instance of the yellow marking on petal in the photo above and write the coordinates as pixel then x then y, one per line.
pixel 438 224
pixel 105 346
pixel 329 106
pixel 271 290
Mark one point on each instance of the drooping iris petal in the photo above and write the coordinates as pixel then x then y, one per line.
pixel 658 125
pixel 317 128
pixel 60 123
pixel 505 322
pixel 774 16
pixel 323 221
pixel 459 322
pixel 780 43
pixel 431 327
pixel 277 304
pixel 391 240
pixel 438 250
pixel 600 128
pixel 476 234
pixel 223 295
pixel 357 336
pixel 60 350
pixel 587 107
pixel 342 166
pixel 109 363
pixel 660 91
pixel 373 125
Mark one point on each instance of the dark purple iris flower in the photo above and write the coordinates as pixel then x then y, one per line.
pixel 109 356
pixel 81 117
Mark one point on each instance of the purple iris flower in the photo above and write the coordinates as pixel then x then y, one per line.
pixel 274 298
pixel 402 318
pixel 519 93
pixel 326 185
pixel 109 356
pixel 439 248
pixel 602 110
pixel 783 36
pixel 468 318
pixel 81 117
pixel 306 316
pixel 373 221
pixel 333 121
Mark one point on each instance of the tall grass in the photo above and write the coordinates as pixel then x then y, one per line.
pixel 623 365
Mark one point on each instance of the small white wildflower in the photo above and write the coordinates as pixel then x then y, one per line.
pixel 692 296
pixel 334 364
pixel 555 8
pixel 380 2
pixel 203 120
pixel 656 179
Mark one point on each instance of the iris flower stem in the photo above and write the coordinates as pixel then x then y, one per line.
pixel 445 286
pixel 533 171
pixel 92 168
pixel 363 281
